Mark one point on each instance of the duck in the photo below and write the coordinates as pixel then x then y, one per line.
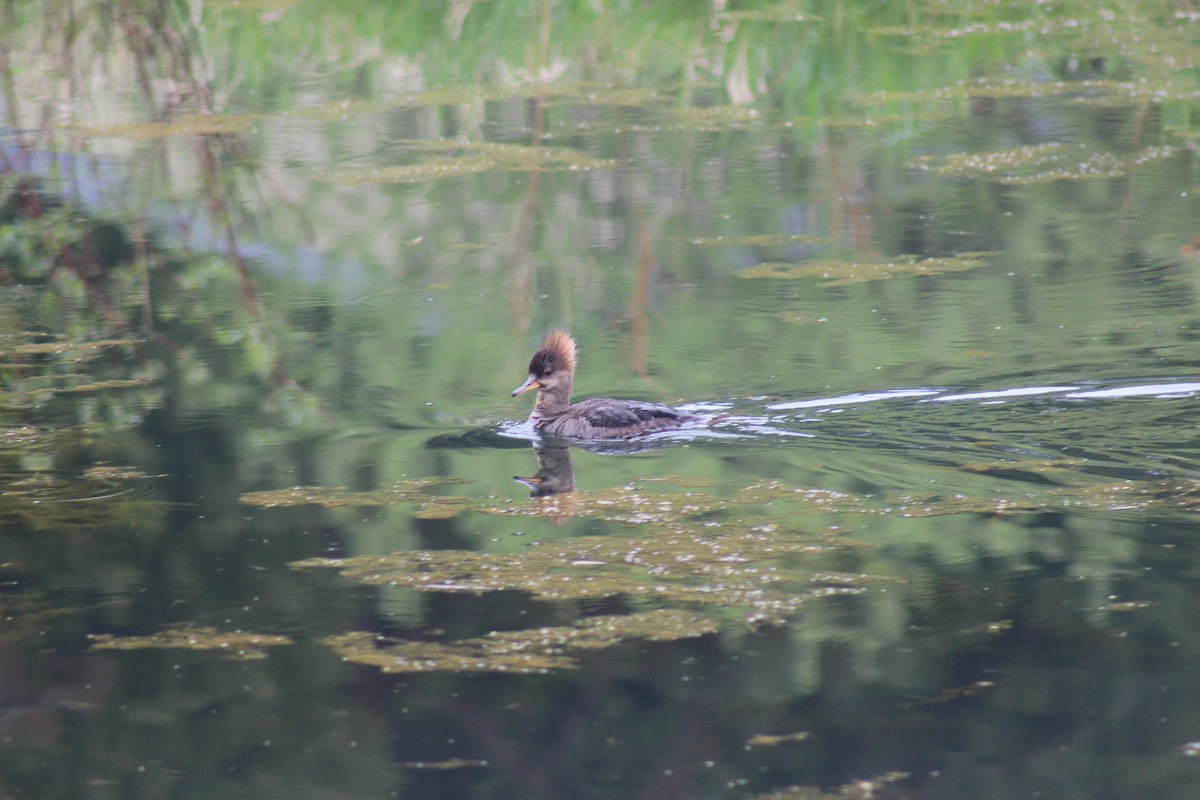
pixel 552 374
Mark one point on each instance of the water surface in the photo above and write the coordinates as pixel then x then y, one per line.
pixel 269 272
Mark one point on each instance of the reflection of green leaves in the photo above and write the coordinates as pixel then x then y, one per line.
pixel 522 651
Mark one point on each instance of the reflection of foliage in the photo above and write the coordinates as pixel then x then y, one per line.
pixel 733 87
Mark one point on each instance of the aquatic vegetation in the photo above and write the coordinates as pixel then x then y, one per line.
pixel 758 240
pixel 1090 92
pixel 855 790
pixel 536 650
pixel 112 472
pixel 911 506
pixel 675 512
pixel 70 351
pixel 188 125
pixel 239 645
pixel 44 501
pixel 832 272
pixel 774 740
pixel 756 575
pixel 475 158
pixel 1040 163
pixel 1176 494
pixel 450 763
pixel 1026 467
pixel 709 118
pixel 955 693
pixel 587 93
pixel 335 497
pixel 780 12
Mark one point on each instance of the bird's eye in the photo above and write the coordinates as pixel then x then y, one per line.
pixel 548 373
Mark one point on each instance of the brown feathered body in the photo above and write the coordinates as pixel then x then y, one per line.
pixel 552 374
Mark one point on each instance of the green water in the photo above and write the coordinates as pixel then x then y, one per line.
pixel 930 274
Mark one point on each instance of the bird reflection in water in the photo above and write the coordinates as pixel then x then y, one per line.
pixel 555 474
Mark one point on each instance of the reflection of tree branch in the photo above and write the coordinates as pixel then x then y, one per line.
pixel 645 264
pixel 521 297
pixel 219 208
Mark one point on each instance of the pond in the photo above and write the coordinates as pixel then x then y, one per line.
pixel 927 275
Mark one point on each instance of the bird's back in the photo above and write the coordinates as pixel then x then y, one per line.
pixel 607 418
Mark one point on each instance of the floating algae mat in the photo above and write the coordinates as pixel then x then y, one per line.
pixel 836 272
pixel 240 645
pixel 763 577
pixel 472 158
pixel 534 650
pixel 1041 163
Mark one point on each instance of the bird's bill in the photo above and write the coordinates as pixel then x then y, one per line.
pixel 531 383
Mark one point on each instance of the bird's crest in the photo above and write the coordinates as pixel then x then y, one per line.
pixel 559 345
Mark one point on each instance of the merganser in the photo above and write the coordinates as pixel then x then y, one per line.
pixel 552 372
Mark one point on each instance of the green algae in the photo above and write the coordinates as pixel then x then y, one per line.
pixel 912 507
pixel 48 502
pixel 105 386
pixel 449 763
pixel 240 645
pixel 757 240
pixel 1103 92
pixel 681 513
pixel 855 790
pixel 473 158
pixel 1047 468
pixel 337 496
pixel 584 93
pixel 1042 163
pixel 536 650
pixel 113 473
pixel 36 371
pixel 189 125
pixel 763 577
pixel 781 12
pixel 834 272
pixel 78 350
pixel 712 118
pixel 1177 494
pixel 774 740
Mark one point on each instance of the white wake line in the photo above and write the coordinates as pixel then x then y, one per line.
pixel 1159 390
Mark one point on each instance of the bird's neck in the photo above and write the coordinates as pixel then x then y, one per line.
pixel 552 402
